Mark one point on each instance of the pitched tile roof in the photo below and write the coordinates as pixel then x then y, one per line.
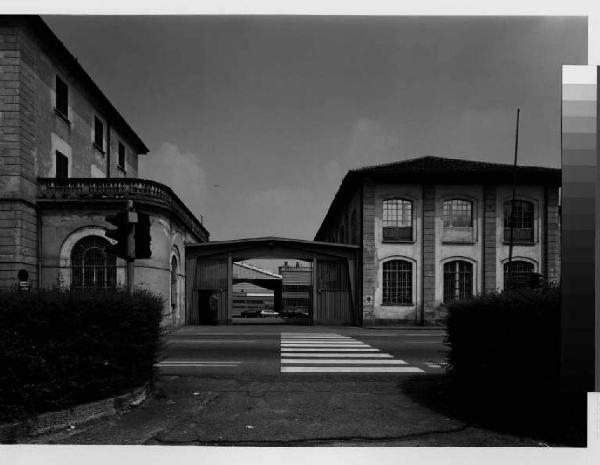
pixel 438 166
pixel 435 170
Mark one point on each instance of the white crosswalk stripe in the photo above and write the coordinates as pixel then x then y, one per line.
pixel 334 353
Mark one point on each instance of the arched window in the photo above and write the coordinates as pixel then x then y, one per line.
pixel 397 283
pixel 173 283
pixel 458 280
pixel 91 265
pixel 353 228
pixel 458 214
pixel 397 220
pixel 522 220
pixel 518 274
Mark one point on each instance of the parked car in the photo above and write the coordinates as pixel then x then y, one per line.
pixel 267 313
pixel 259 314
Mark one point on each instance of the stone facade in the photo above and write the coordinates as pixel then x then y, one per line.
pixel 483 246
pixel 42 218
pixel 18 219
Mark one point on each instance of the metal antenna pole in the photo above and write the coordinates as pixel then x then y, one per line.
pixel 512 202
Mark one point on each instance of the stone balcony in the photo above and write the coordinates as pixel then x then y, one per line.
pixel 119 189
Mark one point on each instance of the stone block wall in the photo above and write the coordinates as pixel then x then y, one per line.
pixel 552 249
pixel 428 245
pixel 369 251
pixel 18 218
pixel 489 238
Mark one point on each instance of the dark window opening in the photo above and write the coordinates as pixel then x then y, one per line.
pixel 98 134
pixel 121 155
pixel 353 228
pixel 62 97
pixel 397 283
pixel 397 220
pixel 458 280
pixel 62 166
pixel 522 221
pixel 173 284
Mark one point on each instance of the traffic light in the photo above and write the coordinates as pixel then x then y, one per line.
pixel 142 236
pixel 120 234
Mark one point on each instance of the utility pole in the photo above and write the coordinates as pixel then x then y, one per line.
pixel 130 250
pixel 512 202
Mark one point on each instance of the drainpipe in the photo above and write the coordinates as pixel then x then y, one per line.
pixel 40 242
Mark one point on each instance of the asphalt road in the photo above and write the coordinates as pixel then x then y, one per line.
pixel 271 385
pixel 259 350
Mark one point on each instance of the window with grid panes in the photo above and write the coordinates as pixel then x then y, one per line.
pixel 518 274
pixel 522 220
pixel 397 283
pixel 458 214
pixel 91 265
pixel 458 280
pixel 397 220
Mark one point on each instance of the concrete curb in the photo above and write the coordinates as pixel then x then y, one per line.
pixel 53 421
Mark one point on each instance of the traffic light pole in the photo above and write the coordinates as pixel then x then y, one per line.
pixel 130 259
pixel 130 249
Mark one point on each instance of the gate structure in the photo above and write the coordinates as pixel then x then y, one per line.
pixel 210 291
pixel 334 300
pixel 209 268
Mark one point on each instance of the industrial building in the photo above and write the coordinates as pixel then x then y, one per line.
pixel 432 230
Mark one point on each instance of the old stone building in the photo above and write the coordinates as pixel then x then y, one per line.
pixel 67 160
pixel 432 230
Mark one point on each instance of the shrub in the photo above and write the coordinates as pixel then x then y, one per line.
pixel 506 341
pixel 59 348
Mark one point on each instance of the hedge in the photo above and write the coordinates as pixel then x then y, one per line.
pixel 508 340
pixel 60 348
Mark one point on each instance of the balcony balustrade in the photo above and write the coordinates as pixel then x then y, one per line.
pixel 90 189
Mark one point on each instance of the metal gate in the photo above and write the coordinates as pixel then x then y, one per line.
pixel 334 303
pixel 210 292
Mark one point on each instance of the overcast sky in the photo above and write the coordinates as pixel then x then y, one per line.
pixel 254 121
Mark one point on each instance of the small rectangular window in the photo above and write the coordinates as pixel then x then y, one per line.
pixel 121 155
pixel 397 220
pixel 98 134
pixel 62 97
pixel 62 166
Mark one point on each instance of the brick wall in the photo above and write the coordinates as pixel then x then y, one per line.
pixel 429 251
pixel 18 220
pixel 489 238
pixel 369 252
pixel 552 247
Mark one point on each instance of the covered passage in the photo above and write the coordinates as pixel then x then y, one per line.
pixel 324 291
